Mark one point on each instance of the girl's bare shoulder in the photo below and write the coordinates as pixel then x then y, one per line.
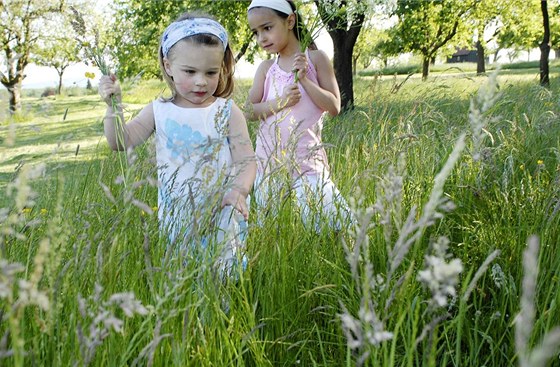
pixel 318 56
pixel 264 66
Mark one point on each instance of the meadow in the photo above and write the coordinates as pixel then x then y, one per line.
pixel 455 185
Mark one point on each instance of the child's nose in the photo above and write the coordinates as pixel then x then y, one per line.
pixel 200 81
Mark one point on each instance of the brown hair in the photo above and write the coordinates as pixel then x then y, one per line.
pixel 300 30
pixel 225 83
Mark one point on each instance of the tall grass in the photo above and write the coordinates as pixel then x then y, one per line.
pixel 447 193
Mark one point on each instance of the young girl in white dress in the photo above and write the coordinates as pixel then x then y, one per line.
pixel 205 160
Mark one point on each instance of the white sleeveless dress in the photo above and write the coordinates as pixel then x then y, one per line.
pixel 194 167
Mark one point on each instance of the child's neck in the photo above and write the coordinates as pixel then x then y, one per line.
pixel 290 50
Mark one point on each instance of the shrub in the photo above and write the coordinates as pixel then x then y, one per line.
pixel 49 91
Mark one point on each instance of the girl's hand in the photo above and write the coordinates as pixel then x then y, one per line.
pixel 238 200
pixel 108 87
pixel 300 65
pixel 291 95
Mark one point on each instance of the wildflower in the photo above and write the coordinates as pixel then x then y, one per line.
pixel 440 276
pixel 26 210
pixel 30 295
pixel 525 320
pixel 44 211
pixel 8 272
pixel 540 162
pixel 498 276
pixel 367 328
pixel 128 304
pixel 90 75
pixel 522 167
pixel 103 320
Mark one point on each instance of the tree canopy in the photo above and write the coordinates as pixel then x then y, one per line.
pixel 139 25
pixel 425 27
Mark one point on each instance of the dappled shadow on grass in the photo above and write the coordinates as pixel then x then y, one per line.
pixel 54 132
pixel 76 178
pixel 72 174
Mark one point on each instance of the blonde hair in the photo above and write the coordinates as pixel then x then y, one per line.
pixel 226 82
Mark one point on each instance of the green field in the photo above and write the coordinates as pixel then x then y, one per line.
pixel 448 178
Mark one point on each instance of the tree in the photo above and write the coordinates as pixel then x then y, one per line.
pixel 58 53
pixel 427 26
pixel 369 47
pixel 20 30
pixel 521 28
pixel 343 20
pixel 139 25
pixel 554 21
pixel 487 14
pixel 544 46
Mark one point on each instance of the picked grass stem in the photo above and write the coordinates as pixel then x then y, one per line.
pixel 119 133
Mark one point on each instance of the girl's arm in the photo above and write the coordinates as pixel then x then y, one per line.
pixel 255 109
pixel 244 163
pixel 326 94
pixel 121 136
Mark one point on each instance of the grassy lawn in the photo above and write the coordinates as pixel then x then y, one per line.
pixel 448 180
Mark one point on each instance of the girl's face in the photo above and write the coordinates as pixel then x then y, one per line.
pixel 195 70
pixel 271 30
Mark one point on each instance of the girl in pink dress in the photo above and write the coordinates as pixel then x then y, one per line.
pixel 291 114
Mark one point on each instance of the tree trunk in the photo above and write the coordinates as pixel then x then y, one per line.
pixel 342 63
pixel 496 55
pixel 545 47
pixel 480 65
pixel 14 97
pixel 425 67
pixel 59 89
pixel 344 36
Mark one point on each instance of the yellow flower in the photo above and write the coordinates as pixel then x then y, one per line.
pixel 26 210
pixel 521 167
pixel 44 211
pixel 540 162
pixel 155 209
pixel 90 75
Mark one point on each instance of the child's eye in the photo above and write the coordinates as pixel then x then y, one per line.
pixel 189 71
pixel 255 33
pixel 267 28
pixel 212 73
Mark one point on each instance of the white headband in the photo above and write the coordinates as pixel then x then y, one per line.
pixel 190 27
pixel 281 5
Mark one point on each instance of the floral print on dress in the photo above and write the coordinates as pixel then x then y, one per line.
pixel 181 139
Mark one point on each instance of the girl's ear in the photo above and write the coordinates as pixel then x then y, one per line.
pixel 167 66
pixel 291 21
